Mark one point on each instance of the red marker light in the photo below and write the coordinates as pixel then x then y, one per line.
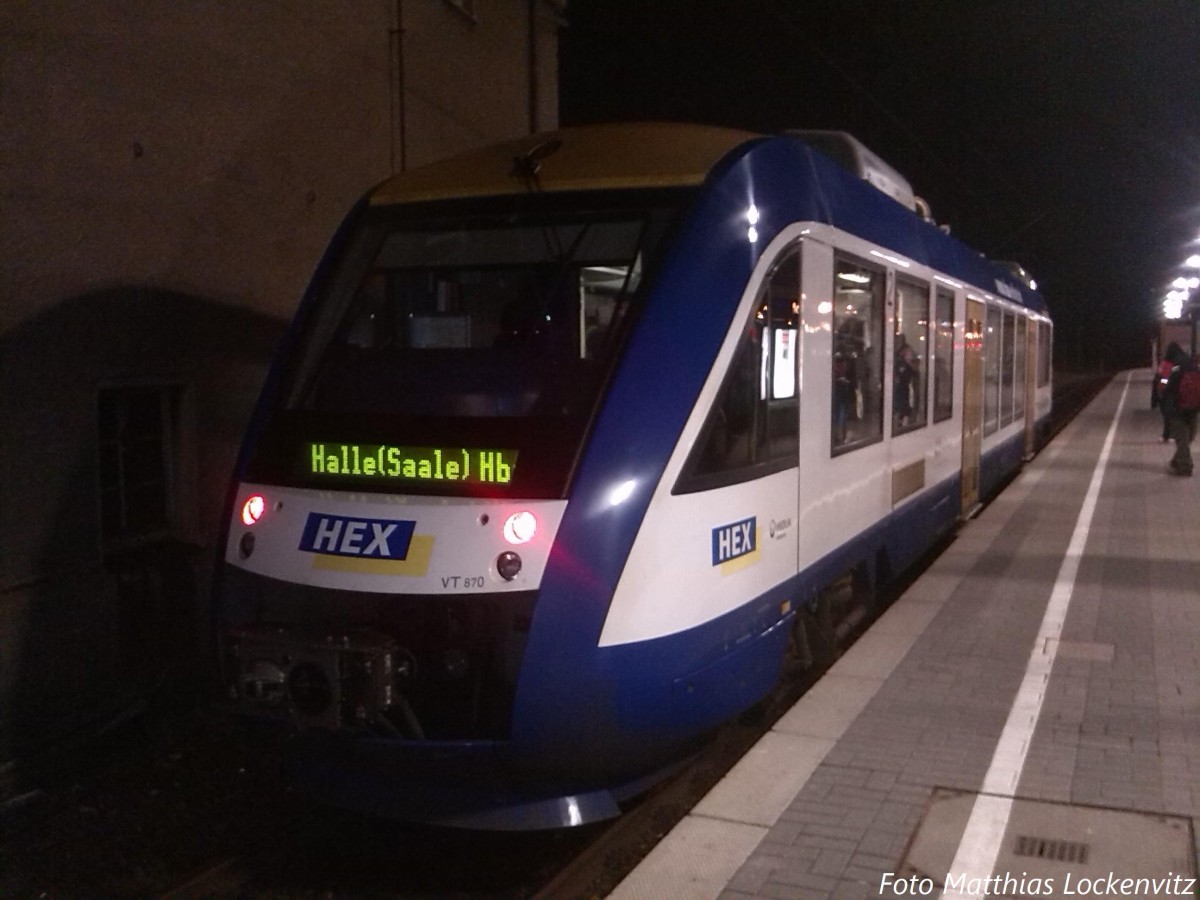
pixel 253 509
pixel 520 528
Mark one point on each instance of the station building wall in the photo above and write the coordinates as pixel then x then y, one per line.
pixel 171 174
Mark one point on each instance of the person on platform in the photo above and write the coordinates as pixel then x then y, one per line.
pixel 1178 398
pixel 1161 376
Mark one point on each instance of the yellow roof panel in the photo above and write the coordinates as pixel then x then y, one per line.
pixel 585 157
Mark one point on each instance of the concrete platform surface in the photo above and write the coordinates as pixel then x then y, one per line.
pixel 1024 721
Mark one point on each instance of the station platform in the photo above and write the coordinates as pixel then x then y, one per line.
pixel 1024 721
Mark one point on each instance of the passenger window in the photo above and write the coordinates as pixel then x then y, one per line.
pixel 991 370
pixel 857 402
pixel 753 428
pixel 1044 353
pixel 910 371
pixel 1008 370
pixel 943 358
pixel 1019 370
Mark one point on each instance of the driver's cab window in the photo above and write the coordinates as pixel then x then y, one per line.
pixel 753 427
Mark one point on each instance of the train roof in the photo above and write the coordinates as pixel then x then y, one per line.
pixel 581 158
pixel 843 183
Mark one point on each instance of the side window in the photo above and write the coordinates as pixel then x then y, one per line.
pixel 910 363
pixel 754 425
pixel 991 370
pixel 857 402
pixel 943 358
pixel 1008 369
pixel 1044 335
pixel 1019 345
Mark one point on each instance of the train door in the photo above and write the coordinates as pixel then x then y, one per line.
pixel 1031 360
pixel 972 404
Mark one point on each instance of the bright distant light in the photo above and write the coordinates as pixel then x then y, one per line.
pixel 752 214
pixel 752 235
pixel 1173 309
pixel 824 307
pixel 1193 261
pixel 1179 283
pixel 1032 285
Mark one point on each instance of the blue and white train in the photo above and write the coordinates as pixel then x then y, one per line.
pixel 575 438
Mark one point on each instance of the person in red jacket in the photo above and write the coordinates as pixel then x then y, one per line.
pixel 1179 402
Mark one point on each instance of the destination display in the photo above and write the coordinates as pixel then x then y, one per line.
pixel 417 464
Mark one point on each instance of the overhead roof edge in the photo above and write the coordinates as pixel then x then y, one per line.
pixel 584 157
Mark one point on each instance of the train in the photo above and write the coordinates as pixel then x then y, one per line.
pixel 579 441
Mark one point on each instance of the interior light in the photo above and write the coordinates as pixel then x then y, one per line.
pixel 253 509
pixel 892 259
pixel 824 307
pixel 520 527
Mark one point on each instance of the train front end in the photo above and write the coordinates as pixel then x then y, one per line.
pixel 403 587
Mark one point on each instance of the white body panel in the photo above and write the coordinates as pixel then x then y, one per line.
pixel 453 548
pixel 842 496
pixel 672 581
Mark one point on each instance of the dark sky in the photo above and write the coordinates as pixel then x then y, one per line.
pixel 1060 133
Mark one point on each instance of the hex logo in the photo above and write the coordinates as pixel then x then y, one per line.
pixel 362 538
pixel 735 540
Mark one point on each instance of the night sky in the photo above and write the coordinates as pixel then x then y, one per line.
pixel 1061 134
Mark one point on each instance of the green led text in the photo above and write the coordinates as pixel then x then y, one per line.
pixel 411 463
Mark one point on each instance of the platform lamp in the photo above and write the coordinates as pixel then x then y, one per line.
pixel 1193 300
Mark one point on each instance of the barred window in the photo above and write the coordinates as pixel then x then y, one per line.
pixel 136 437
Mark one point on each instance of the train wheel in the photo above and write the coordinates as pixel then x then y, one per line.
pixel 813 644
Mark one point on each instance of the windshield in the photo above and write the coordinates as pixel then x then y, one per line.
pixel 463 348
pixel 476 318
